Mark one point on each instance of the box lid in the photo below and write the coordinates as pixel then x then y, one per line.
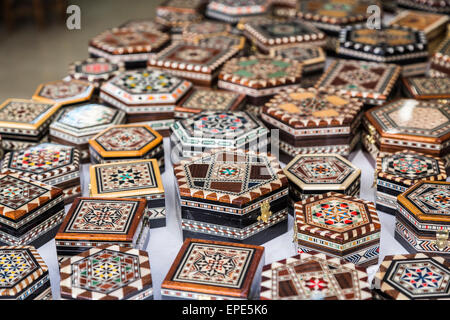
pixel 64 92
pixel 21 269
pixel 238 8
pixel 20 196
pixel 95 70
pixel 314 276
pixel 424 88
pixel 337 217
pixel 407 167
pixel 423 21
pixel 389 44
pixel 126 179
pixel 198 30
pixel 313 58
pixel 21 115
pixel 126 140
pixel 45 162
pixel 299 109
pixel 329 172
pixel 101 219
pixel 366 80
pixel 232 177
pixel 413 277
pixel 215 268
pixel 146 87
pixel 84 277
pixel 79 123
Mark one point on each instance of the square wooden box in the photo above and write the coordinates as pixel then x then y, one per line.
pixel 422 221
pixel 214 270
pixel 314 276
pixel 83 277
pixel 25 123
pixel 64 92
pixel 233 195
pixel 75 125
pixel 234 10
pixel 24 274
pixel 127 142
pixel 94 222
pixel 50 163
pixel 145 94
pixel 31 212
pixel 95 70
pixel 397 172
pixel 340 226
pixel 427 88
pixel 314 121
pixel 132 179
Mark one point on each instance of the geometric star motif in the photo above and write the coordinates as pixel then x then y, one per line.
pixel 14 266
pixel 337 214
pixel 421 277
pixel 214 265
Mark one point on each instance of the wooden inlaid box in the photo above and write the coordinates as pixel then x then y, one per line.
pixel 397 172
pixel 196 31
pixel 145 94
pixel 412 277
pixel 428 5
pixel 233 195
pixel 427 88
pixel 175 21
pixel 50 163
pixel 127 142
pixel 95 70
pixel 404 46
pixel 312 58
pixel 223 41
pixel 201 99
pixel 25 123
pixel 214 270
pixel 372 83
pixel 217 129
pixel 133 47
pixel 315 174
pixel 232 11
pixel 75 125
pixel 314 276
pixel 422 126
pixel 31 211
pixel 127 275
pixel 423 219
pixel 259 77
pixel 132 179
pixel 94 222
pixel 340 226
pixel 194 62
pixel 64 92
pixel 24 274
pixel 440 61
pixel 314 121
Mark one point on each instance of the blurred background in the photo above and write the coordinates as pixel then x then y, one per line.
pixel 36 46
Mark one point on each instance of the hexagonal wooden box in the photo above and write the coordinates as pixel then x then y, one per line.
pixel 64 92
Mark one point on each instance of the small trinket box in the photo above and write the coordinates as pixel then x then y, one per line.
pixel 404 46
pixel 372 83
pixel 437 6
pixel 127 142
pixel 274 34
pixel 233 195
pixel 217 129
pixel 75 125
pixel 259 77
pixel 440 61
pixel 314 276
pixel 50 163
pixel 214 270
pixel 196 31
pixel 305 116
pixel 232 11
pixel 94 222
pixel 426 88
pixel 25 123
pixel 312 58
pixel 133 47
pixel 24 274
pixel 315 174
pixel 340 226
pixel 64 92
pixel 422 222
pixel 145 94
pixel 95 71
pixel 201 99
pixel 107 273
pixel 31 211
pixel 412 277
pixel 132 179
pixel 422 126
pixel 193 62
pixel 394 173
